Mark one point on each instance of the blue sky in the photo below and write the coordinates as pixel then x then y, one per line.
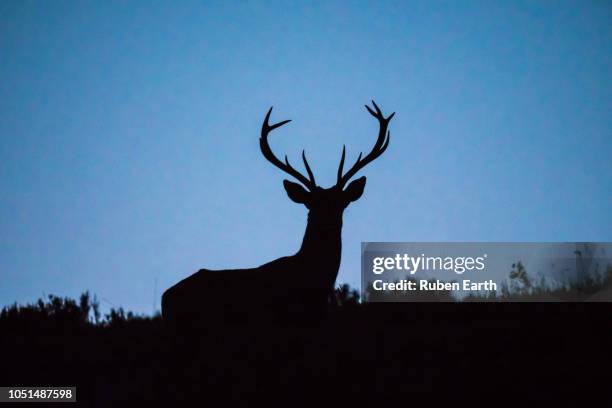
pixel 129 152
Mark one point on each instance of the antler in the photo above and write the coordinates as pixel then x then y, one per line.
pixel 379 148
pixel 266 128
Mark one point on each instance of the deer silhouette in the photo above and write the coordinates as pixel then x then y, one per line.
pixel 293 285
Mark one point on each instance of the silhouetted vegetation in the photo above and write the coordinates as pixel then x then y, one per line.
pixel 519 286
pixel 57 312
pixel 358 351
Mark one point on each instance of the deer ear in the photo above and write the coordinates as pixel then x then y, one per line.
pixel 355 189
pixel 296 192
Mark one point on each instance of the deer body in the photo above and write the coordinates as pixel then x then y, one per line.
pixel 294 285
pixel 285 282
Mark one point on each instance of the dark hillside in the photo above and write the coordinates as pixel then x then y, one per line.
pixel 360 351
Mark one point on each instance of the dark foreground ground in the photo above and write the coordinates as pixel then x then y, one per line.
pixel 378 353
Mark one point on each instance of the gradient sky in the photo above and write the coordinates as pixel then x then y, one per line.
pixel 129 153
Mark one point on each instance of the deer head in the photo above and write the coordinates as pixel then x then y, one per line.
pixel 326 205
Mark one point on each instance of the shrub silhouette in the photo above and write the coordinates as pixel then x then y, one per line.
pixel 344 295
pixel 521 287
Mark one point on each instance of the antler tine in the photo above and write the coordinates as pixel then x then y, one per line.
pixel 341 166
pixel 310 174
pixel 266 128
pixel 379 148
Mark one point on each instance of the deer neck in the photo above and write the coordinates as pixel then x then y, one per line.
pixel 322 245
